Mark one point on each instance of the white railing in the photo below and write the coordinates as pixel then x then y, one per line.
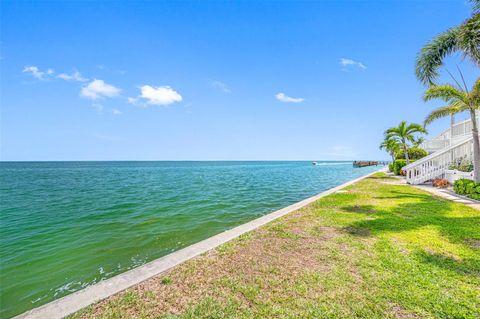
pixel 435 165
pixel 435 145
pixel 453 175
pixel 462 128
pixel 450 136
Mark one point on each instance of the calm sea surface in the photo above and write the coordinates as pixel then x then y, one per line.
pixel 67 225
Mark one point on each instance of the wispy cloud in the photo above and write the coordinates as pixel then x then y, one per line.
pixel 37 73
pixel 98 89
pixel 162 95
pixel 116 112
pixel 75 76
pixel 349 63
pixel 221 86
pixel 282 97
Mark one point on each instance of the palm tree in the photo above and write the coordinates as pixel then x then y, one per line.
pixel 403 134
pixel 418 141
pixel 458 100
pixel 464 38
pixel 391 146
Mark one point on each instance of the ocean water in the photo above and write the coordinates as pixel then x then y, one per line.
pixel 67 225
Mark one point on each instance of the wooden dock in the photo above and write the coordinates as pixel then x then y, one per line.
pixel 368 163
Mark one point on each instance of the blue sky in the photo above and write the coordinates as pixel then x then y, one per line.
pixel 213 80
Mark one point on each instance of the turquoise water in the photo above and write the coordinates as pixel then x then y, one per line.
pixel 67 225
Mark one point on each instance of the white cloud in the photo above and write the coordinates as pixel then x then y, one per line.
pixel 287 99
pixel 99 89
pixel 221 86
pixel 35 72
pixel 162 95
pixel 76 76
pixel 347 63
pixel 117 112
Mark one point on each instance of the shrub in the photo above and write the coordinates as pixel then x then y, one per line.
pixel 398 165
pixel 440 182
pixel 390 167
pixel 460 186
pixel 467 187
pixel 463 165
pixel 414 153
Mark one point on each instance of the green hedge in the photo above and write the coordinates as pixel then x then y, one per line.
pixel 390 167
pixel 414 153
pixel 467 187
pixel 398 165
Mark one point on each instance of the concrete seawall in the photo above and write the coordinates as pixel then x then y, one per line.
pixel 71 303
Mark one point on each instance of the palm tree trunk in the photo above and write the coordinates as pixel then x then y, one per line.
pixel 476 147
pixel 405 150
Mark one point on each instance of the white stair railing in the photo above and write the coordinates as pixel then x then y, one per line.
pixel 435 164
pixel 450 136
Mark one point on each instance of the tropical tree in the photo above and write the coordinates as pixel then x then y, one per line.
pixel 391 146
pixel 458 100
pixel 464 39
pixel 418 141
pixel 404 134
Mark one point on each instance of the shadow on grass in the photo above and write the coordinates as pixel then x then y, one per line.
pixel 364 209
pixel 383 177
pixel 467 266
pixel 415 211
pixel 401 195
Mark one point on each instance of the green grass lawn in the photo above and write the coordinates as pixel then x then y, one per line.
pixel 375 250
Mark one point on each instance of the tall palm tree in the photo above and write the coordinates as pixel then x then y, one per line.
pixel 464 38
pixel 403 134
pixel 458 100
pixel 391 146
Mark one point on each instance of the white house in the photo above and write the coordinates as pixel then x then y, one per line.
pixel 451 146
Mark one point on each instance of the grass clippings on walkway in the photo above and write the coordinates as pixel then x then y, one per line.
pixel 378 250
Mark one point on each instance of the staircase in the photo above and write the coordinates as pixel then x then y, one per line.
pixel 454 134
pixel 435 164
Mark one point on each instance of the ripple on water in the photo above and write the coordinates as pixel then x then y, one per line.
pixel 67 225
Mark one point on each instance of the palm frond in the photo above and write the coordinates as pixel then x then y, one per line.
pixel 415 128
pixel 475 94
pixel 392 136
pixel 431 56
pixel 476 6
pixel 418 141
pixel 446 92
pixel 468 40
pixel 443 112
